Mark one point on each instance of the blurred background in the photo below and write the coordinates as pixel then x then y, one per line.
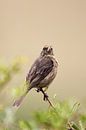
pixel 26 26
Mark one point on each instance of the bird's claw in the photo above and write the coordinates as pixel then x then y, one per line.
pixel 45 97
pixel 45 94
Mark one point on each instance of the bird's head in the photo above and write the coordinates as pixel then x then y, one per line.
pixel 47 50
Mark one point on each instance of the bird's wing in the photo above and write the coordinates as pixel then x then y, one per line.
pixel 39 70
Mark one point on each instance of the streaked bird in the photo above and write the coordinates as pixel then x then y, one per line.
pixel 41 74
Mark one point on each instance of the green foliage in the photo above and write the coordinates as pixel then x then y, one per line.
pixel 60 118
pixel 65 116
pixel 7 72
pixel 57 118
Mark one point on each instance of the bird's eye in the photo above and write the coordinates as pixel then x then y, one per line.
pixel 51 48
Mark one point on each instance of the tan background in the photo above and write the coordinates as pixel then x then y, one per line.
pixel 27 25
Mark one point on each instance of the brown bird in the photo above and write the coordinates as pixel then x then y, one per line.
pixel 41 74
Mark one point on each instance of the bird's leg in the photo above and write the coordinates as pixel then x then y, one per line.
pixel 43 91
pixel 45 97
pixel 45 94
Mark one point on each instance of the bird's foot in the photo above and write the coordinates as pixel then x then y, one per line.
pixel 45 97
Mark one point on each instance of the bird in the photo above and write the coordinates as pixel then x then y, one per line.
pixel 41 74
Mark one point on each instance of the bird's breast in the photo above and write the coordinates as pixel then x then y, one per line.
pixel 50 77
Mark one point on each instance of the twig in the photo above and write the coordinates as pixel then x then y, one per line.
pixel 47 99
pixel 72 126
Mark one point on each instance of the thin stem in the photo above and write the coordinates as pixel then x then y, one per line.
pixel 47 98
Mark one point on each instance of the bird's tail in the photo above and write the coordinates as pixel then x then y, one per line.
pixel 18 101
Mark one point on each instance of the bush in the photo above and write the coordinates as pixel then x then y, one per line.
pixel 65 115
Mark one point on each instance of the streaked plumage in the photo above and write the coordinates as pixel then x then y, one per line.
pixel 42 72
